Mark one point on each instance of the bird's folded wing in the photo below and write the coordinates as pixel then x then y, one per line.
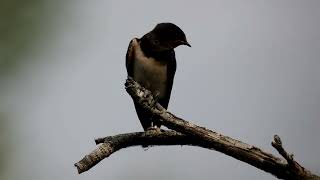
pixel 130 56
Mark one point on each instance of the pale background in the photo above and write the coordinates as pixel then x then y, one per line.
pixel 252 72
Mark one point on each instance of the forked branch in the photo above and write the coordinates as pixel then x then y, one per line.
pixel 187 133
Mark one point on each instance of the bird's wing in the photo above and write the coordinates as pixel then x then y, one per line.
pixel 171 70
pixel 130 56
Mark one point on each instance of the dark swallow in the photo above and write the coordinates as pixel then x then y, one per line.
pixel 151 62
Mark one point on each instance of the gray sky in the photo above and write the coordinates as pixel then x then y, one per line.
pixel 252 72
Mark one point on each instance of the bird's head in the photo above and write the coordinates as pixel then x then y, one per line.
pixel 166 36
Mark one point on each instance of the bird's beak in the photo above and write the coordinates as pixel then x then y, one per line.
pixel 181 42
pixel 187 44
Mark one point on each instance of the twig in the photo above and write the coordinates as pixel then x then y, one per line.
pixel 292 165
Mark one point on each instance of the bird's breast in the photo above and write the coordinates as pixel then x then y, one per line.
pixel 150 73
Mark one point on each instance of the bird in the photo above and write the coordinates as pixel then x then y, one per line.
pixel 150 61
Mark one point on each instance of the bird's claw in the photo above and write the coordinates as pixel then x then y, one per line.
pixel 154 128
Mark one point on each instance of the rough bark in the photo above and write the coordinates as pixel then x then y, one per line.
pixel 188 133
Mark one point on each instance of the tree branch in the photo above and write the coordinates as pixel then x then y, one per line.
pixel 191 134
pixel 112 144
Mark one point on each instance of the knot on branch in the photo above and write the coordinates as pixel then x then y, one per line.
pixel 140 94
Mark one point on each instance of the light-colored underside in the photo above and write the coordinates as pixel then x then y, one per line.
pixel 148 72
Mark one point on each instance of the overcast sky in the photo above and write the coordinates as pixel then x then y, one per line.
pixel 252 72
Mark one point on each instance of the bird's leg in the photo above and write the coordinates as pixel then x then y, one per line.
pixel 152 102
pixel 154 127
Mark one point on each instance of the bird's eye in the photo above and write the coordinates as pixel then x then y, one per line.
pixel 156 42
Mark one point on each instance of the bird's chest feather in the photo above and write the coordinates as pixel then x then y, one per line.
pixel 150 73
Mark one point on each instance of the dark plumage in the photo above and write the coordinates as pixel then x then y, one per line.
pixel 151 62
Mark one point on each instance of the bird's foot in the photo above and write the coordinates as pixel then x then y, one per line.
pixel 154 128
pixel 151 131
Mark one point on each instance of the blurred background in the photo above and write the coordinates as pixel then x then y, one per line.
pixel 252 72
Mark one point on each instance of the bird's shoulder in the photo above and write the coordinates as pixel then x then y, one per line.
pixel 134 45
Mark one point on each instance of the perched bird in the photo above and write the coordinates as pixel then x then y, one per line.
pixel 151 62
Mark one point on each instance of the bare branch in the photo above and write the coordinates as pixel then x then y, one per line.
pixel 199 136
pixel 112 144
